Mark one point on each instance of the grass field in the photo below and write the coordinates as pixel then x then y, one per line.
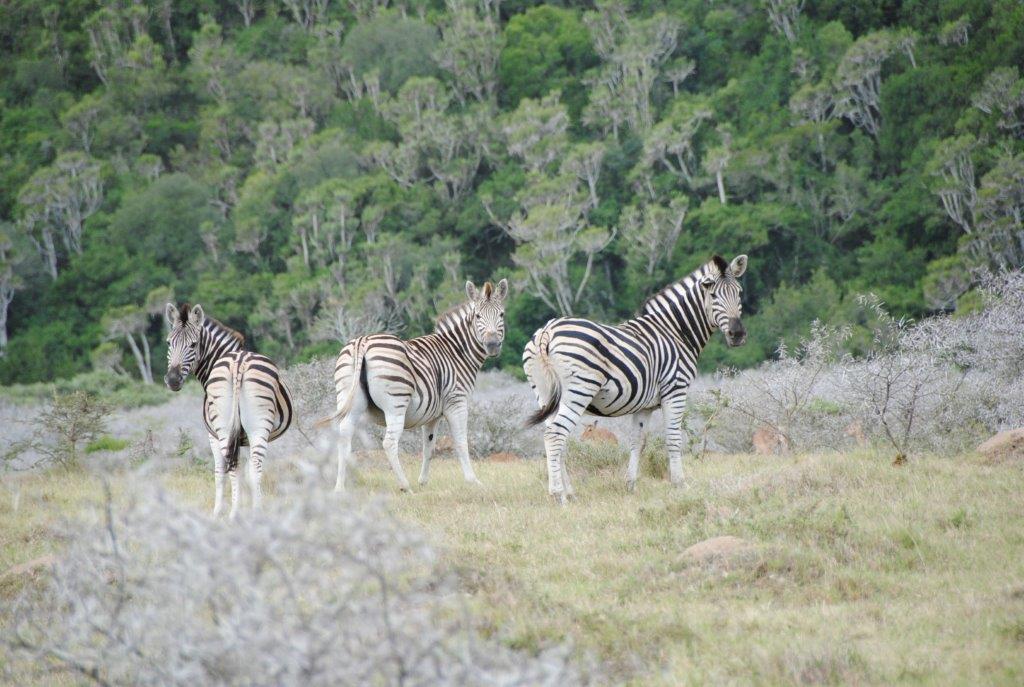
pixel 859 572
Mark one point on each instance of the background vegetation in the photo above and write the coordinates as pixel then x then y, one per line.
pixel 310 169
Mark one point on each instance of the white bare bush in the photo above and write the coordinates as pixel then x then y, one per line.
pixel 308 592
pixel 499 425
pixel 799 396
pixel 941 384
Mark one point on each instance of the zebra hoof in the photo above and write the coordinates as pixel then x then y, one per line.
pixel 422 481
pixel 475 481
pixel 560 498
pixel 631 485
pixel 406 490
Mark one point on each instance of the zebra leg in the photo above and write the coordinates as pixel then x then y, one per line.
pixel 673 410
pixel 235 495
pixel 346 428
pixel 257 452
pixel 458 421
pixel 395 420
pixel 218 476
pixel 570 493
pixel 637 439
pixel 429 436
pixel 556 432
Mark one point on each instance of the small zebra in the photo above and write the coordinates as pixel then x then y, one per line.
pixel 407 384
pixel 245 403
pixel 576 366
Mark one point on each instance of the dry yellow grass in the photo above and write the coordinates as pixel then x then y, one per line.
pixel 861 572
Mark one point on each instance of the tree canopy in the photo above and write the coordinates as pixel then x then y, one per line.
pixel 310 170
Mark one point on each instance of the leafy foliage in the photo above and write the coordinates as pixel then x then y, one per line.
pixel 309 168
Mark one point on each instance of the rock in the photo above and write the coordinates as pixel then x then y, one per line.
pixel 503 457
pixel 716 548
pixel 30 568
pixel 1007 445
pixel 598 435
pixel 768 442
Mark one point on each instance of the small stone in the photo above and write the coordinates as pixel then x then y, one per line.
pixel 1007 445
pixel 715 548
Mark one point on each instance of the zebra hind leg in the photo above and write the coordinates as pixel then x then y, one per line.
pixel 346 428
pixel 257 452
pixel 218 476
pixel 235 493
pixel 556 433
pixel 395 421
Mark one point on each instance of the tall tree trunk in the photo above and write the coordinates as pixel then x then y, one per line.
pixel 139 359
pixel 721 186
pixel 145 353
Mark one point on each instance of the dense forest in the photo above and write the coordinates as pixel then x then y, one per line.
pixel 313 169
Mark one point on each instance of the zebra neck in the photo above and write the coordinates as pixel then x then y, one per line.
pixel 681 312
pixel 457 334
pixel 214 342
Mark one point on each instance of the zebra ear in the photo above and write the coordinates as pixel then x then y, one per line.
pixel 196 316
pixel 738 265
pixel 471 292
pixel 501 291
pixel 171 314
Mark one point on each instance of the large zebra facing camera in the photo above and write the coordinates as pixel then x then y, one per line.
pixel 577 366
pixel 722 298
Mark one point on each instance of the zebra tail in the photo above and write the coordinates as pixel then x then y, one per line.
pixel 357 370
pixel 556 385
pixel 235 427
pixel 549 408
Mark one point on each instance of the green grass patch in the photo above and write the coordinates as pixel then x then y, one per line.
pixel 106 443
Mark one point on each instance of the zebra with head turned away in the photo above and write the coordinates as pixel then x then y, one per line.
pixel 648 362
pixel 245 403
pixel 415 383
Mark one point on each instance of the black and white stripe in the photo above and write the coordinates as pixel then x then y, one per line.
pixel 648 362
pixel 415 383
pixel 245 403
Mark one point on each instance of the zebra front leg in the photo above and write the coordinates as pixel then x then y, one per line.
pixel 429 436
pixel 218 476
pixel 458 421
pixel 637 440
pixel 674 438
pixel 395 421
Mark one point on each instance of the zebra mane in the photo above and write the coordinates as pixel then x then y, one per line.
pixel 685 282
pixel 183 311
pixel 451 317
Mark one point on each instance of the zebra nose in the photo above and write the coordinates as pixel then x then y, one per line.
pixel 173 380
pixel 735 333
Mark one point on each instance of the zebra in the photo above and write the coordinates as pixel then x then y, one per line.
pixel 415 383
pixel 245 403
pixel 575 365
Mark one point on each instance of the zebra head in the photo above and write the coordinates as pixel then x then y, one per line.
pixel 722 290
pixel 488 312
pixel 182 343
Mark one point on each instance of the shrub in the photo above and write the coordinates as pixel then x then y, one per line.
pixel 71 422
pixel 307 592
pixel 798 396
pixel 500 425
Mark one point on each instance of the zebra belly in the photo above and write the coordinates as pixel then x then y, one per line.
pixel 608 402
